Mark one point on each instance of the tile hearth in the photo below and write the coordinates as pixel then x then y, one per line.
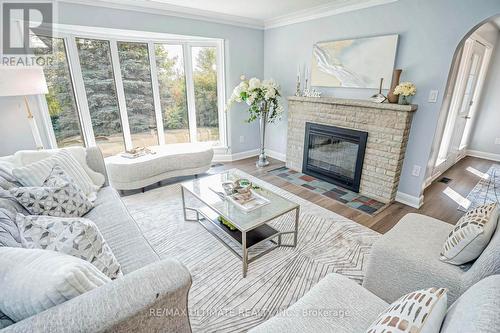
pixel 349 198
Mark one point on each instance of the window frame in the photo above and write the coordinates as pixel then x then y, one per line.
pixel 46 121
pixel 69 34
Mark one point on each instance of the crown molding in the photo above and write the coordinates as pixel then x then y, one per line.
pixel 322 11
pixel 152 7
pixel 161 8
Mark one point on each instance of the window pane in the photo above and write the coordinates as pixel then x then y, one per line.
pixel 205 92
pixel 61 98
pixel 97 72
pixel 172 84
pixel 136 75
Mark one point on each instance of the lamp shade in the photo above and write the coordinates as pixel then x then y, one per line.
pixel 22 81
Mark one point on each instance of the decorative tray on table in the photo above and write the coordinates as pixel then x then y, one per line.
pixel 242 194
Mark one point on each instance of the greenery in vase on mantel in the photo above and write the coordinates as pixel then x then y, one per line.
pixel 263 99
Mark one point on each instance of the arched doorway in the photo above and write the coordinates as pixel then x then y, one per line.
pixel 461 100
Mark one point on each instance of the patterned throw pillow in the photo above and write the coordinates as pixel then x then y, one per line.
pixel 7 180
pixel 422 311
pixel 59 196
pixel 471 235
pixel 5 321
pixel 78 237
pixel 9 232
pixel 34 174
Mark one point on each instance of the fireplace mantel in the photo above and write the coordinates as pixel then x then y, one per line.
pixel 355 102
pixel 388 127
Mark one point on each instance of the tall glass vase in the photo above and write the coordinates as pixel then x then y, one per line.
pixel 263 161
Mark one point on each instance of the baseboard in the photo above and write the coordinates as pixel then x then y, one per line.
pixel 483 154
pixel 410 200
pixel 248 153
pixel 235 157
pixel 276 155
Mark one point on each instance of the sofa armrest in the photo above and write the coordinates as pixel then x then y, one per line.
pixel 151 299
pixel 406 259
pixel 95 161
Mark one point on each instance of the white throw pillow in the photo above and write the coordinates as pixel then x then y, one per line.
pixel 421 311
pixel 24 157
pixel 471 235
pixel 78 237
pixel 36 280
pixel 36 173
pixel 59 196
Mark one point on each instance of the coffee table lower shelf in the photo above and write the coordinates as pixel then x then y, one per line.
pixel 209 221
pixel 254 237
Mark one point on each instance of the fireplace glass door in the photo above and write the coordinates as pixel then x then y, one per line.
pixel 334 154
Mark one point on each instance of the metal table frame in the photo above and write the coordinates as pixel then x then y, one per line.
pixel 201 215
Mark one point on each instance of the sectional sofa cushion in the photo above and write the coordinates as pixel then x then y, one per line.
pixel 471 235
pixel 36 173
pixel 59 196
pixel 421 311
pixel 121 231
pixel 336 304
pixel 34 280
pixel 477 310
pixel 78 237
pixel 9 233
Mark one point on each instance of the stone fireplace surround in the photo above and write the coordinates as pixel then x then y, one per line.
pixel 388 127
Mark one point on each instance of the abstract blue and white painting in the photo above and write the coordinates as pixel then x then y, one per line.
pixel 354 63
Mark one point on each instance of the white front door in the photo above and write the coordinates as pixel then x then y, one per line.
pixel 456 133
pixel 465 114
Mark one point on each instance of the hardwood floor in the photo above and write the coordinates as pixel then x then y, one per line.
pixel 436 202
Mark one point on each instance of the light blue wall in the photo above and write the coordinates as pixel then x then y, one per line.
pixel 429 32
pixel 244 55
pixel 487 125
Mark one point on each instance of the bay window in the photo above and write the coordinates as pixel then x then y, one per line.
pixel 119 92
pixel 60 99
pixel 136 78
pixel 99 82
pixel 172 91
pixel 205 92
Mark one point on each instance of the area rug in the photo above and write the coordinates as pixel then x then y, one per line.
pixel 220 300
pixel 349 198
pixel 487 190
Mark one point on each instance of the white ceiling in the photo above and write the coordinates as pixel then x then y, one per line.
pixel 252 13
pixel 255 9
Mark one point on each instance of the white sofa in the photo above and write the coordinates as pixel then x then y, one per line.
pixel 175 160
pixel 339 305
pixel 124 304
pixel 407 258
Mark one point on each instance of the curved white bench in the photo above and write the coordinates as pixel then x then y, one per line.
pixel 175 160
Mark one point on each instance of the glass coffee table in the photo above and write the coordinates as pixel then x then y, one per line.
pixel 252 227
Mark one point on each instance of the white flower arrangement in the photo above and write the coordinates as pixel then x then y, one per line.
pixel 405 89
pixel 261 96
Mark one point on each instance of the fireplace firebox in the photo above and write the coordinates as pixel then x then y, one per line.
pixel 334 154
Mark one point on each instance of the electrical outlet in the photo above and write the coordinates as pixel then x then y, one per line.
pixel 433 96
pixel 242 138
pixel 497 141
pixel 416 170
